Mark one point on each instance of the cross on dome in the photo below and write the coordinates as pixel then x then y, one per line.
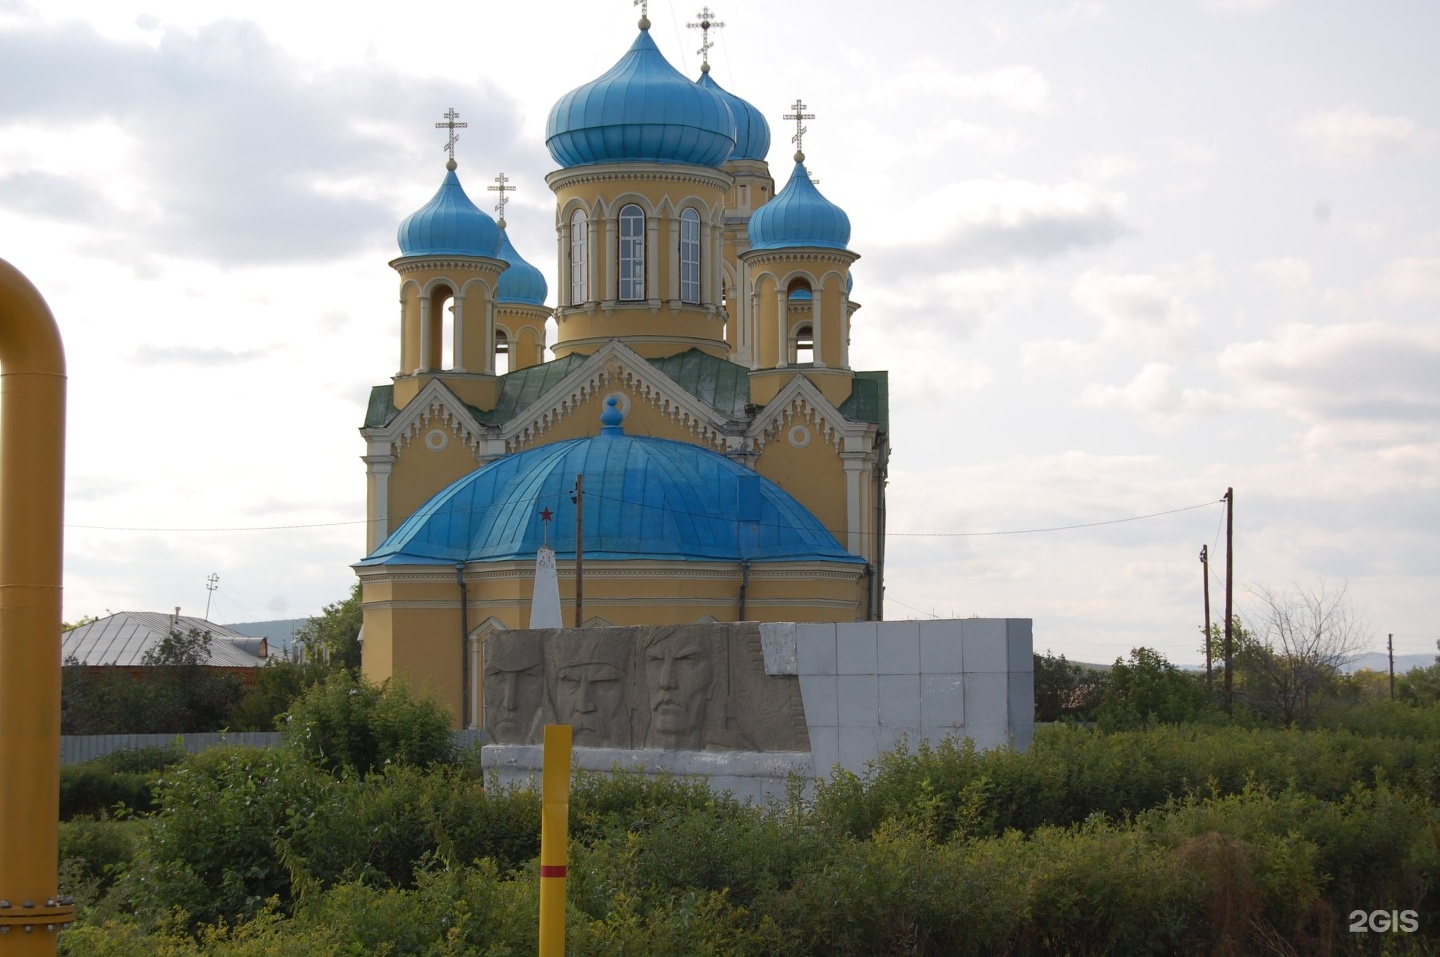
pixel 705 25
pixel 502 189
pixel 450 117
pixel 799 116
pixel 644 6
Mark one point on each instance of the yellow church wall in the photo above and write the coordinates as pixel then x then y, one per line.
pixel 641 418
pixel 420 471
pixel 814 475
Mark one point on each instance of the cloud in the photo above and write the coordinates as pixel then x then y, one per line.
pixel 963 225
pixel 1356 134
pixel 238 154
pixel 148 355
pixel 1369 384
pixel 1288 273
pixel 1138 311
pixel 1151 392
pixel 1237 6
pixel 1413 278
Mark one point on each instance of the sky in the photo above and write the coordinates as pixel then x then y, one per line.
pixel 1117 256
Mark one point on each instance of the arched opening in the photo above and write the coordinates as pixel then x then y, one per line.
pixel 689 255
pixel 802 345
pixel 579 285
pixel 439 333
pixel 632 253
pixel 502 353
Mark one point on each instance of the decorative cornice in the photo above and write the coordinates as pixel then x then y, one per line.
pixel 616 366
pixel 435 406
pixel 629 172
pixel 409 264
pixel 764 257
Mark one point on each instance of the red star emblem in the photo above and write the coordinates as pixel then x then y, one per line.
pixel 546 515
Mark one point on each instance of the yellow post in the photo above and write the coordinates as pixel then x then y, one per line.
pixel 32 469
pixel 554 837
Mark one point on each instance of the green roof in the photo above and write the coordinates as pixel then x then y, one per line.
pixel 723 386
pixel 869 399
pixel 719 384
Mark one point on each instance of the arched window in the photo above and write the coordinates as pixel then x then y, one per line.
pixel 502 353
pixel 689 255
pixel 579 288
pixel 632 253
pixel 803 348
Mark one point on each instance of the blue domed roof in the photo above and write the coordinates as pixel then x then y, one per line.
pixel 449 225
pixel 645 498
pixel 643 110
pixel 799 216
pixel 521 282
pixel 752 133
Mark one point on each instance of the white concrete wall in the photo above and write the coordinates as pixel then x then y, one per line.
pixel 867 686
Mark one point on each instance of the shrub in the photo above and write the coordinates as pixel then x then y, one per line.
pixel 348 723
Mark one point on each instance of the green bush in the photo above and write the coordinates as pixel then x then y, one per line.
pixel 88 790
pixel 348 723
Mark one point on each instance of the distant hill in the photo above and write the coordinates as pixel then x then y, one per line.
pixel 1378 661
pixel 279 633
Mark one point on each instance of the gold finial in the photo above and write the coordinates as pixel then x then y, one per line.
pixel 799 116
pixel 502 189
pixel 706 23
pixel 644 6
pixel 452 126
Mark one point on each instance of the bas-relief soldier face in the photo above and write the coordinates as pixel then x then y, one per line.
pixel 514 692
pixel 590 697
pixel 679 673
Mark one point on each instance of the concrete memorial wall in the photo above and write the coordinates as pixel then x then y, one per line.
pixel 748 704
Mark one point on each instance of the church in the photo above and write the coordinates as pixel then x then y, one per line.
pixel 694 442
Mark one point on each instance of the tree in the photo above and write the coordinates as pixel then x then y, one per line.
pixel 1148 689
pixel 1066 690
pixel 1303 637
pixel 348 723
pixel 333 636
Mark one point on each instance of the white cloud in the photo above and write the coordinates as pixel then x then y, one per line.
pixel 1355 134
pixel 1369 384
pixel 1150 393
pixel 1413 278
pixel 1237 6
pixel 1288 273
pixel 1138 311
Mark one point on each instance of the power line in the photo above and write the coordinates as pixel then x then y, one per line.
pixel 665 508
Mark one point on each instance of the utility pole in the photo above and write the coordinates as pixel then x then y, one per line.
pixel 1390 646
pixel 211 583
pixel 465 721
pixel 579 499
pixel 1205 569
pixel 1229 595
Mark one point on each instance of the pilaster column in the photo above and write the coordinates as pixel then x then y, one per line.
pixel 608 255
pixel 854 469
pixel 378 468
pixel 424 364
pixel 457 344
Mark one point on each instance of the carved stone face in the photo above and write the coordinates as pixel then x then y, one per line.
pixel 514 691
pixel 590 691
pixel 679 672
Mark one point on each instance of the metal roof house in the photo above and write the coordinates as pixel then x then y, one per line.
pixel 122 640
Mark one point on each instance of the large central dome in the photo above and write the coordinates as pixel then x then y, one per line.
pixel 645 498
pixel 641 110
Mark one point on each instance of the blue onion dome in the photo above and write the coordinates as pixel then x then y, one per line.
pixel 752 133
pixel 521 282
pixel 641 110
pixel 645 498
pixel 449 225
pixel 799 216
pixel 802 294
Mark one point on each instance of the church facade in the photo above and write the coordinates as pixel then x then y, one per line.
pixel 696 446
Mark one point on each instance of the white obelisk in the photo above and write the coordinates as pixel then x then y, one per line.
pixel 545 603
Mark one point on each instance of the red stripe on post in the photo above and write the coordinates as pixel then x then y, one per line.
pixel 552 870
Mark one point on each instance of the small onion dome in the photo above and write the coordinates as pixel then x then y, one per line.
pixel 799 216
pixel 752 133
pixel 521 283
pixel 449 225
pixel 641 110
pixel 802 294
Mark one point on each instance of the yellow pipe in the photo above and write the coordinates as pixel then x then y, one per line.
pixel 32 470
pixel 554 836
